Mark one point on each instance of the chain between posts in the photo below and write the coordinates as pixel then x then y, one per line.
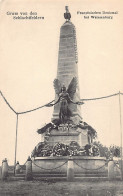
pixel 51 168
pixel 108 96
pixel 88 168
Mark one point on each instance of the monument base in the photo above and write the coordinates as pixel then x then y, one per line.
pixel 59 165
pixel 66 135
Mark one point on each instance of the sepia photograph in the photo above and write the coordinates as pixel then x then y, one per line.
pixel 61 97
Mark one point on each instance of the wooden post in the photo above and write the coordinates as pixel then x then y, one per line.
pixel 70 170
pixel 121 136
pixel 29 169
pixel 4 169
pixel 16 142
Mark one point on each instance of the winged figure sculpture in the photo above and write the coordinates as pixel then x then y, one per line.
pixel 65 97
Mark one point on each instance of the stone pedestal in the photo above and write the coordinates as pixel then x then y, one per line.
pixel 67 135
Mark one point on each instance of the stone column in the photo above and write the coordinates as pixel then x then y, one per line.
pixel 70 170
pixel 68 66
pixel 17 168
pixel 4 169
pixel 111 173
pixel 29 169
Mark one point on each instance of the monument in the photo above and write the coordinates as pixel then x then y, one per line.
pixel 67 135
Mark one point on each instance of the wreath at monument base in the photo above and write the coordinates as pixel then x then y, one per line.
pixel 43 150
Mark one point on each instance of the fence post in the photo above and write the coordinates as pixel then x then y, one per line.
pixel 111 173
pixel 121 168
pixel 17 168
pixel 4 169
pixel 70 170
pixel 29 169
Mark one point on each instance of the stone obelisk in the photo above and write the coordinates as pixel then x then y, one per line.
pixel 67 64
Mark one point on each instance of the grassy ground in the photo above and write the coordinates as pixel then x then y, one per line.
pixel 80 188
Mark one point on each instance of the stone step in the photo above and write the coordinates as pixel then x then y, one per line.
pixel 64 175
pixel 57 172
pixel 91 175
pixel 50 175
pixel 91 178
pixel 15 178
pixel 39 176
pixel 19 175
pixel 61 178
pixel 75 178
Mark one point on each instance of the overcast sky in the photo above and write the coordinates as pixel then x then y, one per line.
pixel 29 56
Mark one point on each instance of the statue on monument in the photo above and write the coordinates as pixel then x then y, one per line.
pixel 67 15
pixel 65 97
